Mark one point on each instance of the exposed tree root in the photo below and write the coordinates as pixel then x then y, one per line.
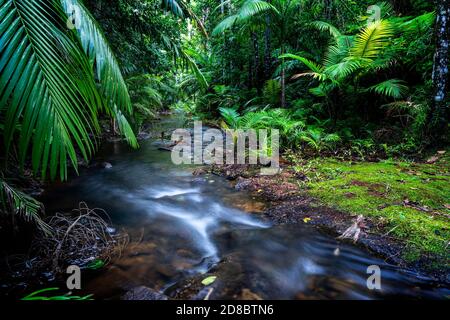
pixel 78 238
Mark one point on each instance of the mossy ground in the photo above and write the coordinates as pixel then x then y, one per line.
pixel 410 201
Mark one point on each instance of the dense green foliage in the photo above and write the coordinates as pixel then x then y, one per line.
pixel 332 68
pixel 334 77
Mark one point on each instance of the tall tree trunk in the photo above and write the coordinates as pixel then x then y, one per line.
pixel 439 110
pixel 267 51
pixel 250 64
pixel 230 9
pixel 222 12
pixel 283 80
pixel 256 63
pixel 328 9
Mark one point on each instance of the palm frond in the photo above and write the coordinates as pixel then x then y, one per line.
pixel 225 24
pixel 338 51
pixel 372 39
pixel 173 6
pixel 310 64
pixel 343 69
pixel 195 69
pixel 112 85
pixel 16 202
pixel 417 24
pixel 47 83
pixel 327 27
pixel 393 88
pixel 124 127
pixel 249 9
pixel 254 120
pixel 323 89
pixel 93 41
pixel 230 115
pixel 316 69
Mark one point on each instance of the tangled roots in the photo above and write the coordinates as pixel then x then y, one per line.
pixel 77 238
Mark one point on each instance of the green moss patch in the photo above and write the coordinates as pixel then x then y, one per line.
pixel 408 200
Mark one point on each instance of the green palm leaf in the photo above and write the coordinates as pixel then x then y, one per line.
pixel 316 69
pixel 337 52
pixel 325 26
pixel 225 24
pixel 186 54
pixel 173 6
pixel 393 88
pixel 372 39
pixel 417 24
pixel 310 64
pixel 94 43
pixel 112 85
pixel 254 7
pixel 249 9
pixel 47 84
pixel 231 116
pixel 17 202
pixel 343 69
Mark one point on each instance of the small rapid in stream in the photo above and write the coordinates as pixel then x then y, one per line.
pixel 188 223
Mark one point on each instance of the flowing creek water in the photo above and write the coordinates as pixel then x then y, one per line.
pixel 188 223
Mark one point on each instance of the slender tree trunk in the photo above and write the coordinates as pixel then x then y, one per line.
pixel 283 80
pixel 250 65
pixel 230 9
pixel 222 12
pixel 328 9
pixel 439 110
pixel 267 51
pixel 256 62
